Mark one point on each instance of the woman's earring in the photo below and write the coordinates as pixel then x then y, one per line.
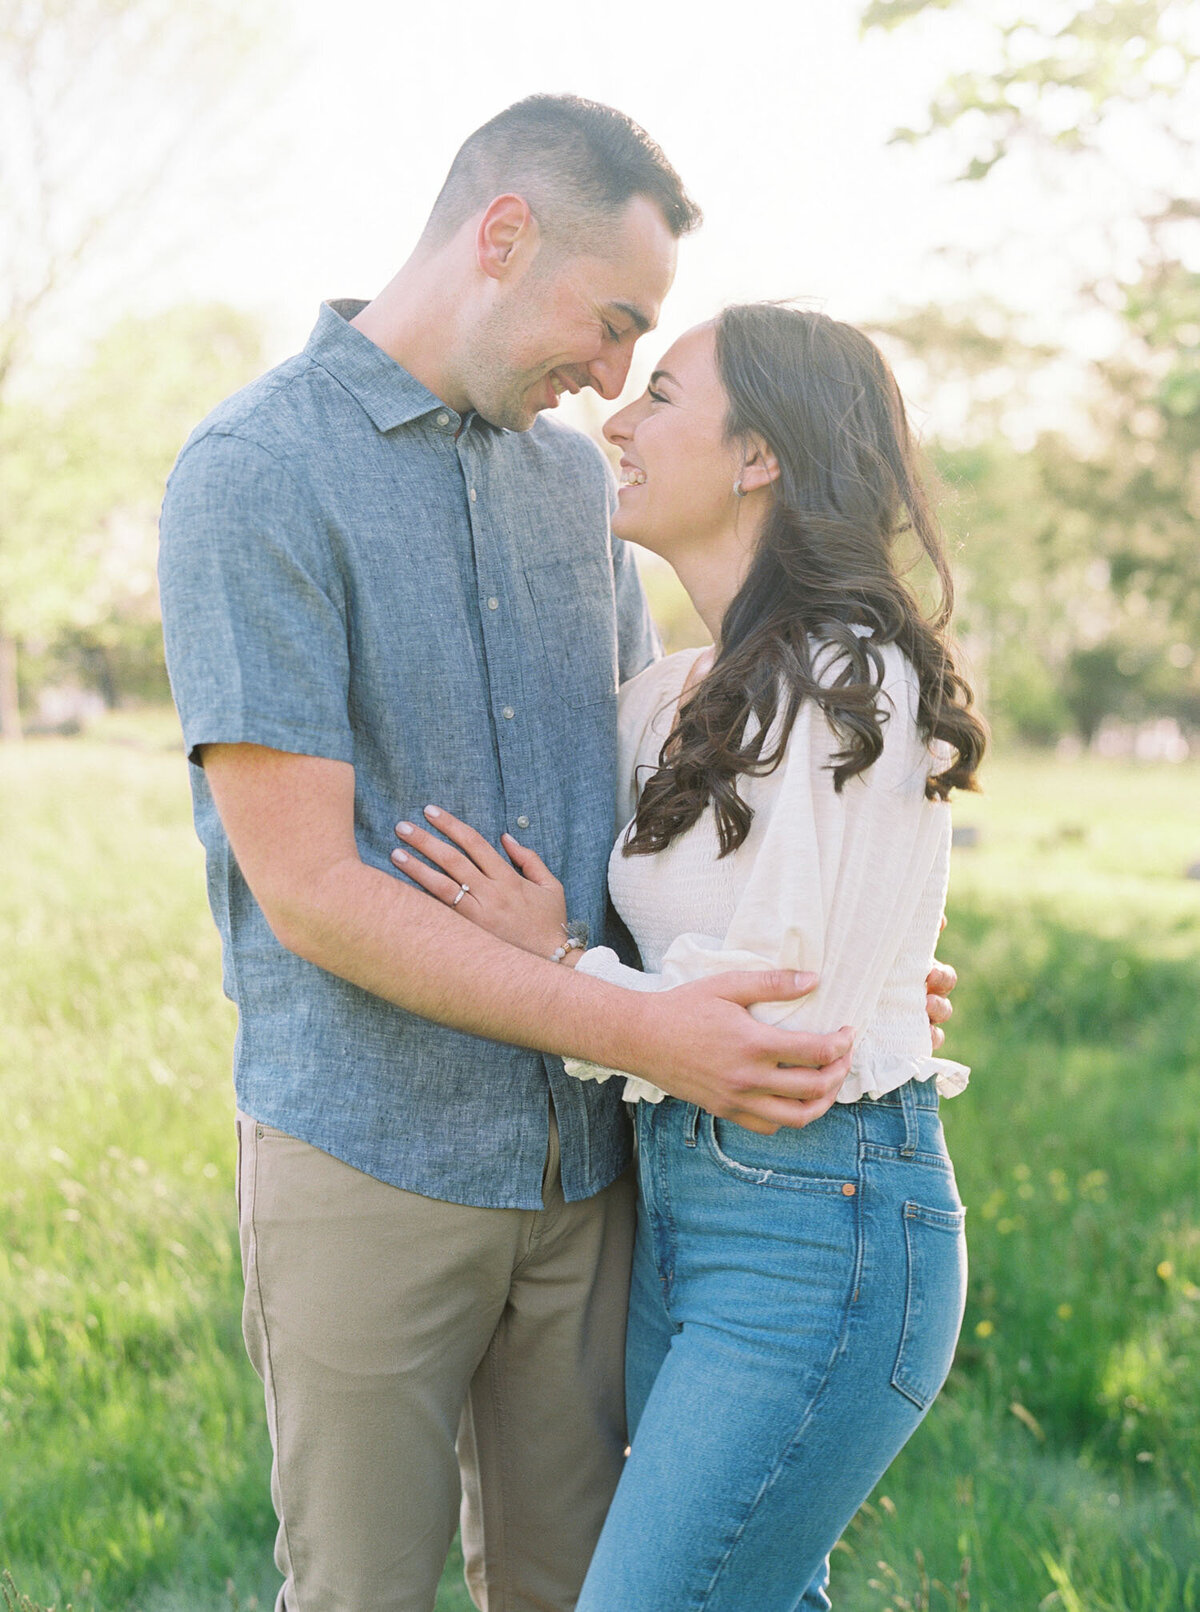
pixel 738 490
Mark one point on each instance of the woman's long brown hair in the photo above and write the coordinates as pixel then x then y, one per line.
pixel 822 396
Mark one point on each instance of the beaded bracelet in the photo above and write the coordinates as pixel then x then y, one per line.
pixel 577 938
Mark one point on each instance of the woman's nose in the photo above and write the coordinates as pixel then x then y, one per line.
pixel 615 428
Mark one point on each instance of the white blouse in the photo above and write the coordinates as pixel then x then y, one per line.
pixel 848 886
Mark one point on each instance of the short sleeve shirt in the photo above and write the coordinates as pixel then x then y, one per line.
pixel 349 569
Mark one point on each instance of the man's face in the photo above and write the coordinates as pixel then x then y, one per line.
pixel 571 321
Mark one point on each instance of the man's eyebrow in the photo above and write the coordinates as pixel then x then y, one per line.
pixel 641 322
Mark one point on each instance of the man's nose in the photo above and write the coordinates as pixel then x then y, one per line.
pixel 608 374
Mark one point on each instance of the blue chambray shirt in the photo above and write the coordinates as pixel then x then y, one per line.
pixel 351 570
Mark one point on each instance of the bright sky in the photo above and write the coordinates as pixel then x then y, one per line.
pixel 778 116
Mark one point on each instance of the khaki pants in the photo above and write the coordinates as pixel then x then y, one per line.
pixel 389 1327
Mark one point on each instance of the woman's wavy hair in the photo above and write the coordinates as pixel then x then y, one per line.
pixel 822 396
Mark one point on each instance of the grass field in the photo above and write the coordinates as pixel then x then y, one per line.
pixel 1059 1468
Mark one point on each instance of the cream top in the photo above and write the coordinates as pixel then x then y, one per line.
pixel 848 886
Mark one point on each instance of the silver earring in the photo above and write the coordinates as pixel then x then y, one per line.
pixel 738 490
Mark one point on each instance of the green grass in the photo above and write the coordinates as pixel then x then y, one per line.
pixel 1060 1464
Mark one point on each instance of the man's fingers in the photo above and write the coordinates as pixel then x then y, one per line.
pixel 938 1009
pixel 941 980
pixel 804 1050
pixel 763 985
pixel 779 1113
pixel 804 1083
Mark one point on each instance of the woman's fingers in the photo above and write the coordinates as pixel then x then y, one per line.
pixel 527 862
pixel 483 854
pixel 442 854
pixel 942 979
pixel 938 1009
pixel 437 883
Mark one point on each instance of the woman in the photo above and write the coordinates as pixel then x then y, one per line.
pixel 797 1295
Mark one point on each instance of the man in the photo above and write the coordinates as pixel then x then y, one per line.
pixel 387 581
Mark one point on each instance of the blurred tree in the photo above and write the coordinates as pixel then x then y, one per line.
pixel 1102 94
pixel 100 102
pixel 81 481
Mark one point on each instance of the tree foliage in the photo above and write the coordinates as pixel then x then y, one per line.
pixel 81 481
pixel 102 102
pixel 1081 556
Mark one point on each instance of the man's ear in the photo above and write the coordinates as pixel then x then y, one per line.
pixel 761 467
pixel 507 237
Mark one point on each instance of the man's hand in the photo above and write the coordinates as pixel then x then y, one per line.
pixel 941 981
pixel 702 1046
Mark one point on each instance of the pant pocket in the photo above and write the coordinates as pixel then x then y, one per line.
pixel 936 1278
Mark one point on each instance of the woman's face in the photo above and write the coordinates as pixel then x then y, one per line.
pixel 677 469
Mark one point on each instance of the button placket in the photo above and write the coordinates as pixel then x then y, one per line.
pixel 493 563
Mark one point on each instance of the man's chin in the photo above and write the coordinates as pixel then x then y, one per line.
pixel 508 416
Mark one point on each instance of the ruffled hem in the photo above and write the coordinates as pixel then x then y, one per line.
pixel 636 1090
pixel 892 1069
pixel 886 1072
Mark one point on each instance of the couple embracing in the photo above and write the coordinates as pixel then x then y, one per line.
pixel 398 608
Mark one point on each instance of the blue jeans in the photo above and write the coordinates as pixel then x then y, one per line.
pixel 796 1302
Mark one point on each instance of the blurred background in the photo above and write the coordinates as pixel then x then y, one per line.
pixel 1005 193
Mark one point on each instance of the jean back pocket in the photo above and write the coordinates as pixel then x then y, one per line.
pixel 935 1294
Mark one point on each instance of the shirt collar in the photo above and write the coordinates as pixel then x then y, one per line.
pixel 388 393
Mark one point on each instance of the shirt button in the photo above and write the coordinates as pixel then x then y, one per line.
pixel 522 821
pixel 508 713
pixel 473 495
pixel 443 419
pixel 493 604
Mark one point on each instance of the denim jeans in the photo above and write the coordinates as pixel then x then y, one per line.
pixel 795 1307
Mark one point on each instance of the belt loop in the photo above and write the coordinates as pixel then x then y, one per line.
pixel 690 1125
pixel 908 1106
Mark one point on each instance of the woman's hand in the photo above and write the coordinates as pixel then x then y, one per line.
pixel 941 981
pixel 519 901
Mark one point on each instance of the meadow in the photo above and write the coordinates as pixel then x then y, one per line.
pixel 1060 1467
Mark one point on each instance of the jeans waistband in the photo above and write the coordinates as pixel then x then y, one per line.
pixel 917 1093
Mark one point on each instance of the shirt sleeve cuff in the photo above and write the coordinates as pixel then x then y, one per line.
pixel 603 964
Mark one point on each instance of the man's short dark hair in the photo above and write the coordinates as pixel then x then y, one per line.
pixel 575 162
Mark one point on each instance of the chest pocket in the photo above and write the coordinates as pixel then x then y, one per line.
pixel 573 604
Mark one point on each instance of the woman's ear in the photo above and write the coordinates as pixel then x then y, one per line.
pixel 761 467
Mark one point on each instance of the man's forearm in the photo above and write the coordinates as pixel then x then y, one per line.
pixel 400 944
pixel 290 821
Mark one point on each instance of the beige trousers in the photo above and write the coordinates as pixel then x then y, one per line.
pixel 388 1328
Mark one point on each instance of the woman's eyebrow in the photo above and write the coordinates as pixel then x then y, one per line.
pixel 663 375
